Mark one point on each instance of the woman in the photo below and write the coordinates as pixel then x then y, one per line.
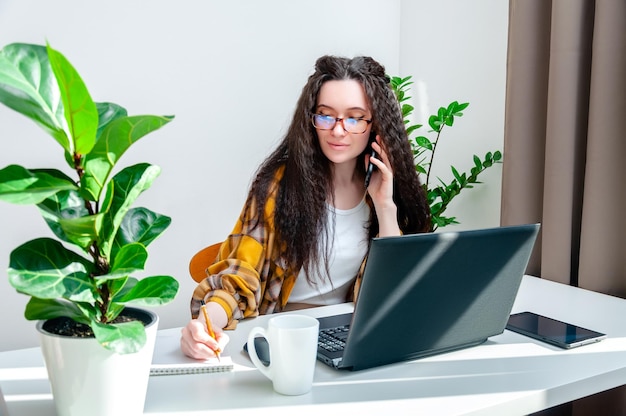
pixel 304 231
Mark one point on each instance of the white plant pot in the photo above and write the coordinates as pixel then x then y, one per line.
pixel 87 379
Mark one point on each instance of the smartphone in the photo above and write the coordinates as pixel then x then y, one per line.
pixel 561 334
pixel 370 166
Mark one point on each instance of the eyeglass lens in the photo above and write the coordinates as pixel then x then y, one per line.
pixel 351 125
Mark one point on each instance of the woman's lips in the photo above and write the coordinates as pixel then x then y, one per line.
pixel 337 145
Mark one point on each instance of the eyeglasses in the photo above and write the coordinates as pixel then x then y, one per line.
pixel 350 124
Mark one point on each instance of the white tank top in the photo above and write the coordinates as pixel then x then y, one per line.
pixel 349 247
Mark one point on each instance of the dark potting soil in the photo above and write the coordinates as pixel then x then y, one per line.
pixel 69 328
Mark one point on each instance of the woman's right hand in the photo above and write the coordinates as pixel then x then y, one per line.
pixel 195 341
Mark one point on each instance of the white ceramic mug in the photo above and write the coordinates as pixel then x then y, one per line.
pixel 292 343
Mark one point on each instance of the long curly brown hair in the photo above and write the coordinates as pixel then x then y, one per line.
pixel 306 186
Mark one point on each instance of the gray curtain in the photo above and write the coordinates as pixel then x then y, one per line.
pixel 565 140
pixel 565 144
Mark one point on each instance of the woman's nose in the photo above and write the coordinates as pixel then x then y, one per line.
pixel 338 129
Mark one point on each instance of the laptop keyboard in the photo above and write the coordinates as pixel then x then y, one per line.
pixel 333 339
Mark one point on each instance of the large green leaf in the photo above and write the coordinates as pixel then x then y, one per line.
pixel 45 269
pixel 140 225
pixel 151 291
pixel 80 112
pixel 69 219
pixel 128 184
pixel 19 185
pixel 82 231
pixel 42 309
pixel 107 112
pixel 28 86
pixel 114 140
pixel 130 259
pixel 62 205
pixel 118 290
pixel 123 338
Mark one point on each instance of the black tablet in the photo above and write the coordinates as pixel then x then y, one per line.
pixel 561 334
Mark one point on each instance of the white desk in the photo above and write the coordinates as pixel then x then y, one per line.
pixel 509 374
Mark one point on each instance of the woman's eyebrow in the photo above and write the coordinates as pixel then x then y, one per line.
pixel 357 108
pixel 323 106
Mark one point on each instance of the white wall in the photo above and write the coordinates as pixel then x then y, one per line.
pixel 231 71
pixel 456 51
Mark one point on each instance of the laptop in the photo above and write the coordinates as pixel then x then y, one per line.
pixel 427 294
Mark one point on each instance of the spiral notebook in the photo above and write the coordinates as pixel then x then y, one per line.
pixel 169 360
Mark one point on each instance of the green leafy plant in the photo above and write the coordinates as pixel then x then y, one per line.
pixel 92 212
pixel 441 195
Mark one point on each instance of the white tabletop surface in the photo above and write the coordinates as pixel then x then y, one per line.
pixel 509 374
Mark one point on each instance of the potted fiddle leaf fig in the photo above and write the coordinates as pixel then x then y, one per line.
pixel 82 284
pixel 441 195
